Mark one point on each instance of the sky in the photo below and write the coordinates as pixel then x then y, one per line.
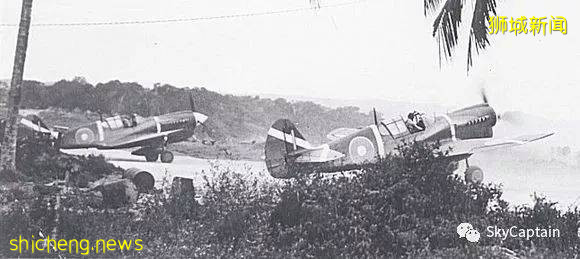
pixel 366 49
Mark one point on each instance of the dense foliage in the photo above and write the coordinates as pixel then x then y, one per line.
pixel 409 205
pixel 40 162
pixel 231 117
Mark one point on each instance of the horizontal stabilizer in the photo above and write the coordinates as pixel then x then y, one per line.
pixel 37 127
pixel 318 155
pixel 340 133
pixel 60 128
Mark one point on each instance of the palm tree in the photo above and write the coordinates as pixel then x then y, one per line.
pixel 8 148
pixel 446 24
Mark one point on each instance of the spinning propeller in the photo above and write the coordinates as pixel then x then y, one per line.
pixel 509 117
pixel 200 119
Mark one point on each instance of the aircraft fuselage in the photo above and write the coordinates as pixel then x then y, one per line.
pixel 376 141
pixel 121 132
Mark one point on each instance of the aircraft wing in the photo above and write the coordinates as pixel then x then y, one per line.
pixel 340 133
pixel 148 138
pixel 463 147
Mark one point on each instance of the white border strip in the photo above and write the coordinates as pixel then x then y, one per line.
pixel 380 144
pixel 451 126
pixel 157 123
pixel 100 130
pixel 288 138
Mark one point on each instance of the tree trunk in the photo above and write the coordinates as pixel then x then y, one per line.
pixel 8 148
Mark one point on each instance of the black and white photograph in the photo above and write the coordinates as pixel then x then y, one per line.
pixel 289 129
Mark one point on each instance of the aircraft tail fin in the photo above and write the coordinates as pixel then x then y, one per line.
pixel 283 140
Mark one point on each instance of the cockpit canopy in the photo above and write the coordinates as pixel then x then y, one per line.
pixel 120 121
pixel 399 127
pixel 395 128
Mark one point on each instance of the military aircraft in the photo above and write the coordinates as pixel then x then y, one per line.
pixel 151 134
pixel 465 131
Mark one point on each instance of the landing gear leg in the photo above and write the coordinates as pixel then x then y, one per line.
pixel 166 156
pixel 151 157
pixel 150 153
pixel 473 174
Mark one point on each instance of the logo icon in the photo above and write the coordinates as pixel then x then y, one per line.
pixel 466 230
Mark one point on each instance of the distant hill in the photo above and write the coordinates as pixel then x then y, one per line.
pixel 232 118
pixel 236 119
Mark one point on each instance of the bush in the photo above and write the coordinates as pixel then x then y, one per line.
pixel 409 205
pixel 406 205
pixel 41 162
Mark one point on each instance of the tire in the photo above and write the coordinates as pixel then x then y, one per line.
pixel 473 174
pixel 166 157
pixel 151 157
pixel 452 166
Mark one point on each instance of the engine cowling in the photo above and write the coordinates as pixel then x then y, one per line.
pixel 474 122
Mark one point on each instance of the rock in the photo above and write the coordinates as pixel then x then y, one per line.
pixel 181 186
pixel 183 203
pixel 117 193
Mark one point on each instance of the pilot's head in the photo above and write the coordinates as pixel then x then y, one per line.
pixel 411 115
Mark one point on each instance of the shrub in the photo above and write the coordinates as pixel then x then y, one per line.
pixel 409 205
pixel 41 162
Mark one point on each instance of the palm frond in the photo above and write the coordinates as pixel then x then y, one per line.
pixel 315 3
pixel 430 5
pixel 446 25
pixel 478 32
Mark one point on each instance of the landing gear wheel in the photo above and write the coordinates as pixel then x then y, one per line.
pixel 166 157
pixel 151 157
pixel 473 174
pixel 452 166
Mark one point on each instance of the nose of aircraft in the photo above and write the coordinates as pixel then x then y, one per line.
pixel 200 117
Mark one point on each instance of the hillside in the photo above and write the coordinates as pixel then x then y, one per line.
pixel 232 119
pixel 239 123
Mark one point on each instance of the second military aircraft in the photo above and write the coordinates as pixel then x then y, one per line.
pixel 464 132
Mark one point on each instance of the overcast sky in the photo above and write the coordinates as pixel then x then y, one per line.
pixel 371 49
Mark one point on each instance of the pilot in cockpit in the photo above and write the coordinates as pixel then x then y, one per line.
pixel 129 122
pixel 133 120
pixel 415 122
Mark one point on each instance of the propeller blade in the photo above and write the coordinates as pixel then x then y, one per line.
pixel 484 95
pixel 375 116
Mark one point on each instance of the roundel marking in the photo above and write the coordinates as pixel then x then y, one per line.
pixel 361 149
pixel 84 136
